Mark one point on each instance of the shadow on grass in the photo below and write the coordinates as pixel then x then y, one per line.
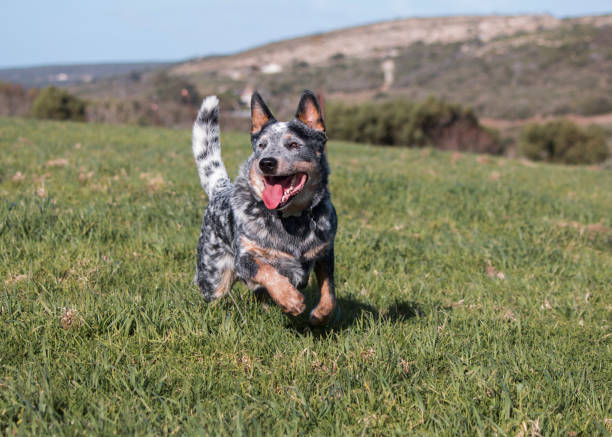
pixel 350 312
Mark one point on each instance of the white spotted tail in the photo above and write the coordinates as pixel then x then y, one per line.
pixel 207 147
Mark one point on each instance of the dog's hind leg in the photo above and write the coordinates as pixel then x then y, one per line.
pixel 215 270
pixel 215 280
pixel 324 270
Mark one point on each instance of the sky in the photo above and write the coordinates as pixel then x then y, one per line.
pixel 47 32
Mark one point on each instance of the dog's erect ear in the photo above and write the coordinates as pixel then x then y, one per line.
pixel 260 114
pixel 309 112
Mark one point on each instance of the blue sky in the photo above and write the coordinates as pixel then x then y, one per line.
pixel 61 31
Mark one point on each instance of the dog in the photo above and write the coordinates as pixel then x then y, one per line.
pixel 276 222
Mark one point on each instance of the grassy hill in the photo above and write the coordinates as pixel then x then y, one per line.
pixel 474 296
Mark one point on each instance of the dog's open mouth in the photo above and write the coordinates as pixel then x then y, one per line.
pixel 279 190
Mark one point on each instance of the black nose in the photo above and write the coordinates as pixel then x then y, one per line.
pixel 268 165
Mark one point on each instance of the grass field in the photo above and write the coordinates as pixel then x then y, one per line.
pixel 475 296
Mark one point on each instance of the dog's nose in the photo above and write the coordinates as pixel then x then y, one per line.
pixel 268 165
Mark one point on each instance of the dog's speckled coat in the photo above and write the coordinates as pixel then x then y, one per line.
pixel 241 239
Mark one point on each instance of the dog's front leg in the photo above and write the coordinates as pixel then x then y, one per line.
pixel 324 270
pixel 279 287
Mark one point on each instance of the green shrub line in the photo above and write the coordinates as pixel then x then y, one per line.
pixel 431 122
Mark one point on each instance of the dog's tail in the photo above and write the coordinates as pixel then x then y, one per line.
pixel 207 148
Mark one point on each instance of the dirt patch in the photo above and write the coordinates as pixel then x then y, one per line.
pixel 59 162
pixel 592 230
pixel 582 120
pixel 466 136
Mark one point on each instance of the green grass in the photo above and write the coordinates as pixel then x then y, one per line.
pixel 475 295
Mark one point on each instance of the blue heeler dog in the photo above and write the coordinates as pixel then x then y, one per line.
pixel 276 222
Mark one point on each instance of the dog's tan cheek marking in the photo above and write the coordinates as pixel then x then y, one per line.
pixel 263 252
pixel 279 288
pixel 327 303
pixel 314 252
pixel 256 181
pixel 227 280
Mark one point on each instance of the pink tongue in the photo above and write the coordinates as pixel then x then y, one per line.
pixel 272 195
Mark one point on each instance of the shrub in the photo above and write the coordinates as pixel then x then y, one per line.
pixel 174 89
pixel 594 105
pixel 57 104
pixel 15 99
pixel 431 122
pixel 141 111
pixel 565 142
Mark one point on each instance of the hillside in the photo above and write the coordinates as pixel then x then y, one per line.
pixel 504 67
pixel 474 295
pixel 378 40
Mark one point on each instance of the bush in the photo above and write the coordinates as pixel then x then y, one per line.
pixel 174 89
pixel 431 122
pixel 56 104
pixel 595 105
pixel 15 99
pixel 564 142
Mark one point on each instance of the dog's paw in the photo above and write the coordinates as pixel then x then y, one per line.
pixel 316 319
pixel 294 304
pixel 209 297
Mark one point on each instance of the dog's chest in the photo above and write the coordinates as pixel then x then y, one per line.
pixel 298 238
pixel 291 245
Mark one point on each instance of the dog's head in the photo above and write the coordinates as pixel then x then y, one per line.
pixel 288 167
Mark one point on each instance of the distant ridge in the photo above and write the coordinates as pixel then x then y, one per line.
pixel 46 75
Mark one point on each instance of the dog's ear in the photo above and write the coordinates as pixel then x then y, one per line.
pixel 309 111
pixel 260 114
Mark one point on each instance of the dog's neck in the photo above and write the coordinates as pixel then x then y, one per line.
pixel 285 214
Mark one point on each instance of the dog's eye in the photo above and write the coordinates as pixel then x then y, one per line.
pixel 262 145
pixel 292 145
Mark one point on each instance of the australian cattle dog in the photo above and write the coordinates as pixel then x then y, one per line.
pixel 275 222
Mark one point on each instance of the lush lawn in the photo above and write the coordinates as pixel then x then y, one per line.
pixel 475 296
